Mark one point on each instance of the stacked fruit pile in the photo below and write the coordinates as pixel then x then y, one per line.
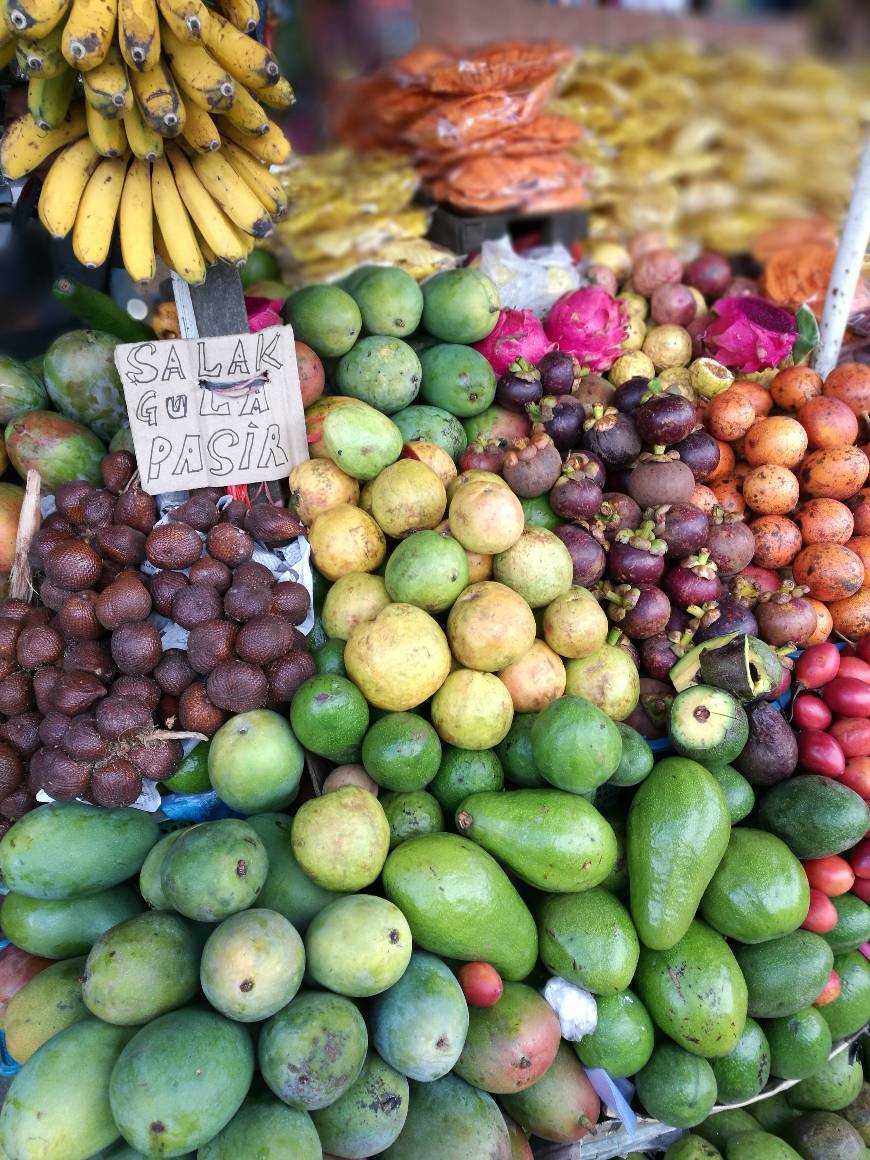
pixel 149 76
pixel 82 688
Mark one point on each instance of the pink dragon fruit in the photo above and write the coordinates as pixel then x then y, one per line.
pixel 263 312
pixel 748 333
pixel 590 324
pixel 517 334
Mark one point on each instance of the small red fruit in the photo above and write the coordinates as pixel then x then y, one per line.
pixel 822 914
pixel 847 696
pixel 830 991
pixel 853 735
pixel 832 875
pixel 817 665
pixel 854 667
pixel 861 889
pixel 859 858
pixel 481 984
pixel 857 776
pixel 818 752
pixel 810 712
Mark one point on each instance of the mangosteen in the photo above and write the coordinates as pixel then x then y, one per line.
pixel 561 417
pixel 661 652
pixel 639 612
pixel 617 512
pixel 727 615
pixel 560 373
pixel 611 436
pixel 617 639
pixel 748 584
pixel 784 617
pixel 660 477
pixel 627 396
pixel 700 452
pixel 519 385
pixel 683 527
pixel 693 581
pixel 663 416
pixel 593 391
pixel 585 463
pixel 636 557
pixel 586 553
pixel 730 542
pixel 576 496
pixel 532 466
pixel 483 454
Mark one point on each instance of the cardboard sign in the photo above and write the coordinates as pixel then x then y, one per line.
pixel 208 412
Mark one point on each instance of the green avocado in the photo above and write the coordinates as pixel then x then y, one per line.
pixel 622 1042
pixel 853 924
pixel 576 747
pixel 692 1147
pixel 743 1072
pixel 848 1012
pixel 759 1146
pixel 637 758
pixel 739 794
pixel 460 904
pixel 678 830
pixel 675 1087
pixel 814 815
pixel 833 1087
pixel 785 974
pixel 515 753
pixel 695 992
pixel 722 1127
pixel 589 939
pixel 826 1136
pixel 708 724
pixel 799 1044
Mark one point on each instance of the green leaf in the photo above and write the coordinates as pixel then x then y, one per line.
pixel 808 334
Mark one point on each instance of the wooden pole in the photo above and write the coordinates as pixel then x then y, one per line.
pixel 20 578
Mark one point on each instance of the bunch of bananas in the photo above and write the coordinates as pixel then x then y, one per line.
pixel 171 139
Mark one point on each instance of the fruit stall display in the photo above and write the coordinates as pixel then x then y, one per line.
pixel 555 818
pixel 156 116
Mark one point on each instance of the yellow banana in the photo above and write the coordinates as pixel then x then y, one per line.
pixel 42 57
pixel 145 142
pixel 89 33
pixel 33 19
pixel 139 33
pixel 106 87
pixel 246 240
pixel 198 74
pixel 24 145
pixel 159 244
pixel 158 99
pixel 265 184
pixel 271 147
pixel 136 223
pixel 244 58
pixel 246 114
pixel 199 130
pixel 98 208
pixel 48 98
pixel 244 14
pixel 208 254
pixel 210 219
pixel 185 256
pixel 235 198
pixel 280 95
pixel 64 185
pixel 186 18
pixel 107 133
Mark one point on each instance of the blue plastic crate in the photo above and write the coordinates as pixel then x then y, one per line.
pixel 186 809
pixel 8 1066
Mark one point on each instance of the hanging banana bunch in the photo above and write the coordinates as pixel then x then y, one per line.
pixel 155 112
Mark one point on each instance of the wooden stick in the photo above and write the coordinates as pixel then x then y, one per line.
pixel 846 272
pixel 20 578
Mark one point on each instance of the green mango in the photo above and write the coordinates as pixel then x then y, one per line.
pixel 553 840
pixel 675 1087
pixel 58 448
pixel 389 299
pixel 21 389
pixel 58 929
pixel 785 974
pixel 325 318
pixel 450 1118
pixel 722 1127
pixel 382 371
pixel 180 1080
pixel 287 888
pixel 419 1025
pixel 774 1113
pixel 150 884
pixel 460 904
pixel 68 849
pixel 743 1072
pixel 83 383
pixel 562 1106
pixel 457 378
pixel 359 945
pixel 759 890
pixel 799 1043
pixel 45 1005
pixel 57 1107
pixel 252 965
pixel 266 1128
pixel 255 762
pixel 214 870
pixel 515 753
pixel 623 1040
pixel 360 440
pixel 369 1116
pixel 695 992
pixel 432 425
pixel 678 830
pixel 589 939
pixel 848 1012
pixel 142 968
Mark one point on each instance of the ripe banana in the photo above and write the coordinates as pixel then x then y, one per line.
pixel 244 58
pixel 200 131
pixel 24 145
pixel 107 133
pixel 197 74
pixel 244 14
pixel 89 33
pixel 246 114
pixel 185 256
pixel 210 220
pixel 235 198
pixel 159 244
pixel 139 33
pixel 185 18
pixel 106 87
pixel 136 223
pixel 158 99
pixel 271 147
pixel 95 220
pixel 208 254
pixel 64 185
pixel 48 98
pixel 33 19
pixel 42 57
pixel 280 95
pixel 264 184
pixel 145 142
